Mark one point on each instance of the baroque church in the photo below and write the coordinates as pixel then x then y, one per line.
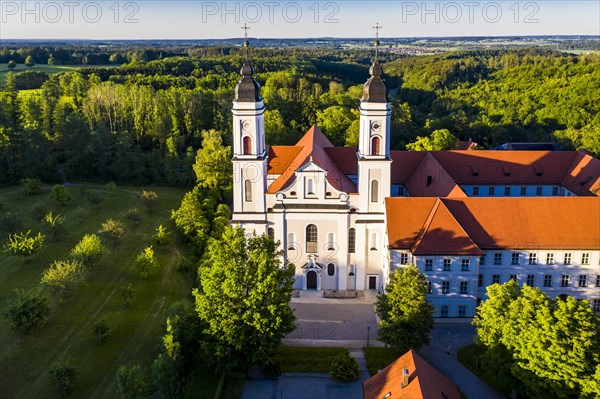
pixel 346 217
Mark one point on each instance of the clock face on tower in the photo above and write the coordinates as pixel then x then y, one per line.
pixel 246 125
pixel 376 126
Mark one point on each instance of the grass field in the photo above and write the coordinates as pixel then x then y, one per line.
pixel 4 70
pixel 306 359
pixel 24 360
pixel 380 358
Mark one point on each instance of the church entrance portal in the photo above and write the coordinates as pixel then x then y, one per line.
pixel 311 280
pixel 372 282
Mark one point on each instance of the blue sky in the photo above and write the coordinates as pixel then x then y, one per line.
pixel 72 19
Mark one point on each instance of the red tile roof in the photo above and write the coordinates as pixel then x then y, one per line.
pixel 583 177
pixel 424 382
pixel 430 179
pixel 493 223
pixel 466 145
pixel 311 145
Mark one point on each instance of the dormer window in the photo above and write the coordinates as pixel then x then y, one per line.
pixel 474 170
pixel 506 171
pixel 429 180
pixel 538 170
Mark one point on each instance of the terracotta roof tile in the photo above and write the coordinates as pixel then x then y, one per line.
pixel 583 176
pixel 430 179
pixel 280 158
pixel 500 223
pixel 425 381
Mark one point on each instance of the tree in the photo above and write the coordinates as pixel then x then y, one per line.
pixel 23 244
pixel 60 194
pixel 51 60
pixel 439 140
pixel 190 219
pixel 63 275
pixel 244 297
pixel 149 199
pixel 12 64
pixel 335 122
pixel 54 223
pixel 65 376
pixel 31 186
pixel 114 229
pixel 101 330
pixel 491 313
pixel 213 162
pixel 146 263
pixel 406 317
pixel 133 215
pixel 344 368
pixel 89 250
pixel 162 236
pixel 127 292
pixel 130 382
pixel 29 61
pixel 28 310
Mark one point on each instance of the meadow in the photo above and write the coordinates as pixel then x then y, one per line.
pixel 49 69
pixel 67 334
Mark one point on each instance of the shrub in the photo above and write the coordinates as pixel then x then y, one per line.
pixel 54 223
pixel 101 330
pixel 133 215
pixel 114 229
pixel 111 186
pixel 23 244
pixel 344 368
pixel 28 310
pixel 9 223
pixel 65 376
pixel 94 198
pixel 145 262
pixel 162 236
pixel 63 275
pixel 89 250
pixel 60 194
pixel 149 199
pixel 31 186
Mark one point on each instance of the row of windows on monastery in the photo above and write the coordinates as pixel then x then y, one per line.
pixel 309 188
pixel 312 238
pixel 511 190
pixel 583 281
pixel 516 258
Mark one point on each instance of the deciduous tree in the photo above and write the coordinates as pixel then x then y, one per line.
pixel 60 194
pixel 28 310
pixel 146 263
pixel 244 297
pixel 213 162
pixel 437 141
pixel 114 229
pixel 406 317
pixel 63 275
pixel 89 250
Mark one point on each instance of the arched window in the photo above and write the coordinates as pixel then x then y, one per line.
pixel 373 242
pixel 330 269
pixel 351 273
pixel 248 190
pixel 330 241
pixel 374 191
pixel 247 145
pixel 310 187
pixel 375 146
pixel 271 233
pixel 291 242
pixel 352 240
pixel 312 236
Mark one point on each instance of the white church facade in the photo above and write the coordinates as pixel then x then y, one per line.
pixel 332 209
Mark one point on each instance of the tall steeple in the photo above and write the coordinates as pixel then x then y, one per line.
pixel 249 148
pixel 374 139
pixel 247 89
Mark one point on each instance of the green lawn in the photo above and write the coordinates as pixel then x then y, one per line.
pixel 24 360
pixel 305 359
pixel 45 68
pixel 469 357
pixel 380 358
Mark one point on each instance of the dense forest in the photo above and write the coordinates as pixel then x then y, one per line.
pixel 142 122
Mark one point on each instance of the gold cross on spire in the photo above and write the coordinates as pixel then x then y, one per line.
pixel 377 27
pixel 245 28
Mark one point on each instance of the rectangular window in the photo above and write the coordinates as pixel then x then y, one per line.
pixel 596 305
pixel 464 287
pixel 429 289
pixel 538 191
pixel 428 265
pixel 533 258
pixel 444 311
pixel 475 190
pixel 491 191
pixel 583 280
pixel 512 277
pixel 497 258
pixel 507 191
pixel 447 265
pixel 352 240
pixel 514 258
pixel 531 280
pixel 403 258
pixel 585 259
pixel 445 287
pixel 567 259
pixel 462 311
pixel 547 280
pixel 598 280
pixel 482 260
pixel 523 191
pixel 464 265
pixel 495 279
pixel 565 280
pixel 549 259
pixel 555 191
pixel 480 280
